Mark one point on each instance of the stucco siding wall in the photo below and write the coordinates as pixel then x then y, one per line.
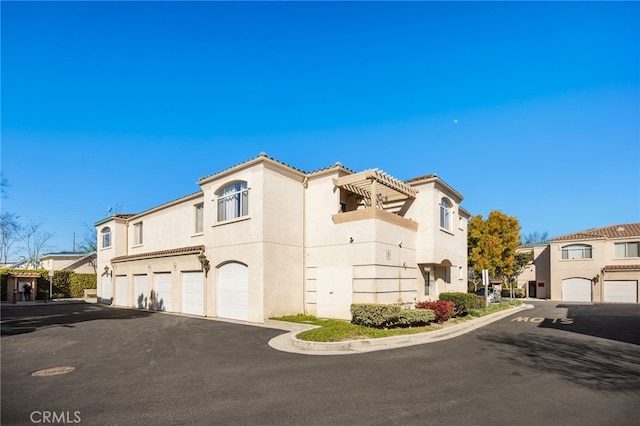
pixel 562 269
pixel 284 282
pixel 434 245
pixel 166 228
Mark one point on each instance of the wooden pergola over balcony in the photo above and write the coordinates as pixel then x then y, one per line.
pixel 373 181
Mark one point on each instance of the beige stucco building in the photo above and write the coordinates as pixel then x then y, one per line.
pixel 264 239
pixel 596 265
pixel 81 263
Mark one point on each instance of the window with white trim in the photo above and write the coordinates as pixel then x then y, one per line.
pixel 630 249
pixel 445 213
pixel 105 235
pixel 137 233
pixel 576 251
pixel 427 281
pixel 199 216
pixel 233 201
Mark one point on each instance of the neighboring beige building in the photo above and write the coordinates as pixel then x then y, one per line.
pixel 596 265
pixel 264 239
pixel 535 278
pixel 80 263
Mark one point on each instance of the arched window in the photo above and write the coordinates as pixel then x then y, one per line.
pixel 233 201
pixel 445 213
pixel 576 251
pixel 106 237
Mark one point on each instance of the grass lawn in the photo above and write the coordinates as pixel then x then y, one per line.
pixel 332 330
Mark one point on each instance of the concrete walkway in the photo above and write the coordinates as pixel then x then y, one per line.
pixel 289 343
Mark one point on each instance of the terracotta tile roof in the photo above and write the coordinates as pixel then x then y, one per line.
pixel 627 230
pixel 435 176
pixel 337 165
pixel 423 177
pixel 610 268
pixel 161 253
pixel 262 154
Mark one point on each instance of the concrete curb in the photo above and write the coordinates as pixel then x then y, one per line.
pixel 290 343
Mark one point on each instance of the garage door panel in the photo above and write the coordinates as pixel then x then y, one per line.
pixel 233 292
pixel 621 291
pixel 140 292
pixel 193 293
pixel 162 298
pixel 122 291
pixel 576 290
pixel 106 289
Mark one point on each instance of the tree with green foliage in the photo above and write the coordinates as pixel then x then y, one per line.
pixel 493 244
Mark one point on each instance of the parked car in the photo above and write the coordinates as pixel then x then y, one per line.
pixel 493 294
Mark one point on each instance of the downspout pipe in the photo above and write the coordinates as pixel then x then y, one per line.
pixel 305 184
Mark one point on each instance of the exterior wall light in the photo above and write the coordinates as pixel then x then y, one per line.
pixel 204 263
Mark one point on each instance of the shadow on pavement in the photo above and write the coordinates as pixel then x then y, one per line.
pixel 27 319
pixel 597 366
pixel 619 322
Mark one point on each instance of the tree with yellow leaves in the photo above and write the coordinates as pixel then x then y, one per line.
pixel 492 245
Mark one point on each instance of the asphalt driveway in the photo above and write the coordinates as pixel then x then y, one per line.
pixel 553 364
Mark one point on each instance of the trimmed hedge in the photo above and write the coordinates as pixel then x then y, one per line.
pixel 377 315
pixel 416 317
pixel 462 301
pixel 374 315
pixel 79 282
pixel 517 292
pixel 64 284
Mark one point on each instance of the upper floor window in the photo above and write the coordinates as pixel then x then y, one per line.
pixel 576 251
pixel 106 237
pixel 233 201
pixel 199 209
pixel 137 234
pixel 445 213
pixel 630 249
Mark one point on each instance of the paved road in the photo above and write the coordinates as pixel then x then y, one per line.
pixel 553 364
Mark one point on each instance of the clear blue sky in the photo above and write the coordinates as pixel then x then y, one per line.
pixel 528 108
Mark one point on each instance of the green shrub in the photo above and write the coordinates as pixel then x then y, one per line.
pixel 64 284
pixel 79 282
pixel 374 314
pixel 415 317
pixel 517 292
pixel 462 301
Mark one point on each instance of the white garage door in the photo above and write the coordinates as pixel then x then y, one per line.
pixel 576 290
pixel 122 291
pixel 233 291
pixel 140 292
pixel 621 291
pixel 162 289
pixel 106 289
pixel 193 293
